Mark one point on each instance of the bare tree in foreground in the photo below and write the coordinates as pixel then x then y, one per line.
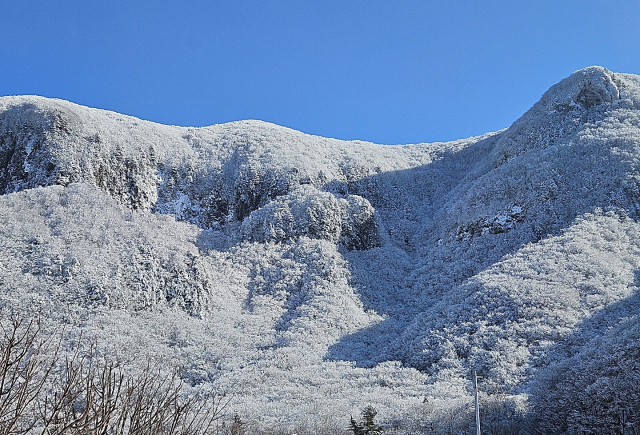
pixel 24 370
pixel 85 394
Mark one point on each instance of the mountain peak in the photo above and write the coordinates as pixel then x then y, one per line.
pixel 584 89
pixel 593 86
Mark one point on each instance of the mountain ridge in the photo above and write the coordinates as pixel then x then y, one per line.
pixel 335 263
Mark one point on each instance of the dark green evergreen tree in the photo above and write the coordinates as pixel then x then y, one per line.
pixel 367 425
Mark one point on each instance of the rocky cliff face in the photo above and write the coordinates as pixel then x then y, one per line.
pixel 208 176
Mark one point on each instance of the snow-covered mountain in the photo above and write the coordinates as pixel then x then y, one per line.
pixel 311 277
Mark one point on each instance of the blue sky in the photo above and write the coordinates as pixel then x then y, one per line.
pixel 384 71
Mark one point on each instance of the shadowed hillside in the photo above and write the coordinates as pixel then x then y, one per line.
pixel 311 277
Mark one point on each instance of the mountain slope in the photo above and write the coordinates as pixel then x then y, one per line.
pixel 279 265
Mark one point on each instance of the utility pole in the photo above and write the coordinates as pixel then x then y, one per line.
pixel 475 385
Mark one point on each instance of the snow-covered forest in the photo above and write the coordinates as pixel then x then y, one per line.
pixel 307 278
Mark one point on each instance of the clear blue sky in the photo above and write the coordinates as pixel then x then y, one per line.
pixel 387 71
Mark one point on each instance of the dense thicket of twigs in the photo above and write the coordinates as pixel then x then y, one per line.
pixel 42 392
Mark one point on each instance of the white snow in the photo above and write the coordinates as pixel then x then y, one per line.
pixel 281 266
